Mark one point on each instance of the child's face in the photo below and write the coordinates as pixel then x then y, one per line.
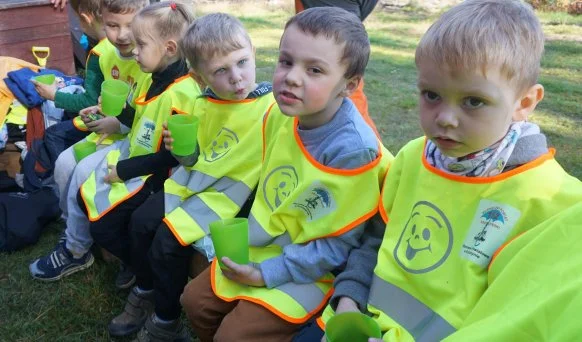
pixel 231 77
pixel 118 30
pixel 465 112
pixel 309 78
pixel 149 53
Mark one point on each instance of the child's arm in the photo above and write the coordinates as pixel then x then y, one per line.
pixel 309 262
pixel 93 79
pixel 355 281
pixel 147 164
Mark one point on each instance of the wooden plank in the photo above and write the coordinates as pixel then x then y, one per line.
pixel 21 28
pixel 6 4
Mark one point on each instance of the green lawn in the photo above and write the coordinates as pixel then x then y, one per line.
pixel 79 307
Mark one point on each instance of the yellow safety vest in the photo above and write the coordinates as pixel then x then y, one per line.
pixel 443 230
pixel 534 286
pixel 299 200
pixel 227 169
pixel 144 138
pixel 113 66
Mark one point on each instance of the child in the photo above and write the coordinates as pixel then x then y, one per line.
pixel 73 253
pixel 212 184
pixel 318 154
pixel 105 61
pixel 454 198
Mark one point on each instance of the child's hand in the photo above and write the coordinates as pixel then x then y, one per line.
pixel 167 137
pixel 243 274
pixel 44 90
pixel 346 304
pixel 90 114
pixel 107 125
pixel 112 177
pixel 373 339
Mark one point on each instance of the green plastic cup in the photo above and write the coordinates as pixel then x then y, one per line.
pixel 83 149
pixel 184 130
pixel 230 238
pixel 45 79
pixel 351 327
pixel 113 96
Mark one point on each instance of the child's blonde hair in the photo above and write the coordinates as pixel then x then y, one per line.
pixel 215 34
pixel 341 26
pixel 123 6
pixel 163 20
pixel 90 7
pixel 478 34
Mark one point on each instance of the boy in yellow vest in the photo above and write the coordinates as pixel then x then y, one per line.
pixel 115 60
pixel 318 154
pixel 109 59
pixel 453 198
pixel 213 183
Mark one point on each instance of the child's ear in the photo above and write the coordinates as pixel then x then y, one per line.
pixel 528 102
pixel 351 85
pixel 171 48
pixel 87 18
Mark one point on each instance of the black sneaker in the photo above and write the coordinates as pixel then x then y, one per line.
pixel 59 263
pixel 125 278
pixel 135 313
pixel 156 331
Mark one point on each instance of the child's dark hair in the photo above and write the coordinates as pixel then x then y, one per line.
pixel 90 7
pixel 123 6
pixel 167 19
pixel 344 27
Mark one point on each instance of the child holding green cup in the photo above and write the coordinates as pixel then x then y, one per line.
pixel 113 96
pixel 230 238
pixel 183 130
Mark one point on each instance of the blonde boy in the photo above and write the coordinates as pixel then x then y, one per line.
pixel 318 153
pixel 117 62
pixel 457 196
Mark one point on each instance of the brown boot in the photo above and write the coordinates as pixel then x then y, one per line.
pixel 137 308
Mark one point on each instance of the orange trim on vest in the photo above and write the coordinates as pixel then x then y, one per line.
pixel 320 323
pixel 228 101
pixel 265 304
pixel 350 226
pixel 501 248
pixel 139 101
pixel 482 180
pixel 175 232
pixel 332 170
pixel 381 209
pixel 298 6
pixel 111 207
pixel 78 127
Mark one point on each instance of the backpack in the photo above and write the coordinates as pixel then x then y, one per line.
pixel 23 215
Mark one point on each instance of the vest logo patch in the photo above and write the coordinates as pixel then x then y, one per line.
pixel 145 134
pixel 315 202
pixel 278 185
pixel 115 72
pixel 426 240
pixel 221 145
pixel 489 229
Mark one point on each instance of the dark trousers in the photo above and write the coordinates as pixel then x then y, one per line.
pixel 158 259
pixel 61 136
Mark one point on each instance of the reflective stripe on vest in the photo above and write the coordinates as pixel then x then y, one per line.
pixel 144 138
pixel 299 200
pixel 418 319
pixel 227 169
pixel 443 230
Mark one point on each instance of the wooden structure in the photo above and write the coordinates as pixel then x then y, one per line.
pixel 27 23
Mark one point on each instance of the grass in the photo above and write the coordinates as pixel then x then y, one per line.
pixel 79 307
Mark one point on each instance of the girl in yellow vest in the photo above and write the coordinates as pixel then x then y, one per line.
pixel 124 168
pixel 318 154
pixel 481 176
pixel 213 183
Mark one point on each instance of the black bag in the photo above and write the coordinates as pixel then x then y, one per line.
pixel 23 215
